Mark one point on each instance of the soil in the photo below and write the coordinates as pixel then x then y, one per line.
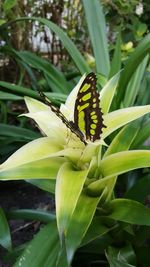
pixel 22 195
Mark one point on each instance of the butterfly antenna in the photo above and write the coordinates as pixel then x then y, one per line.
pixel 44 98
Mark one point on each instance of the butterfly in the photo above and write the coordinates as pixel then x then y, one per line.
pixel 88 117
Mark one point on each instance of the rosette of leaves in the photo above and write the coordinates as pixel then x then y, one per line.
pixel 88 216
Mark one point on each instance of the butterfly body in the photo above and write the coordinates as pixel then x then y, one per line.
pixel 88 120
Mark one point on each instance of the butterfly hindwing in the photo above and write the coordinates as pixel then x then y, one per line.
pixel 87 113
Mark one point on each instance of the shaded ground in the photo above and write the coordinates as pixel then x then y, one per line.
pixel 22 195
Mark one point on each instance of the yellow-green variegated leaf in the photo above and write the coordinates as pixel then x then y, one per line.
pixel 119 118
pixel 80 221
pixel 46 168
pixel 35 150
pixel 123 140
pixel 107 93
pixel 124 161
pixel 116 164
pixel 34 105
pixel 49 123
pixel 69 185
pixel 96 188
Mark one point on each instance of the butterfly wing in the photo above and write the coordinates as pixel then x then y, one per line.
pixel 69 124
pixel 87 114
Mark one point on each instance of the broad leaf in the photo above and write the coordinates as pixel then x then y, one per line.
pixel 69 185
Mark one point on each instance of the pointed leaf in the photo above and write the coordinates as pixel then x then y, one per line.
pixel 118 257
pixel 44 168
pixel 84 212
pixel 122 162
pixel 140 190
pixel 134 85
pixel 123 139
pixel 38 149
pixel 43 250
pixel 17 132
pixel 129 211
pixel 133 62
pixel 96 230
pixel 57 81
pixel 119 118
pixel 68 44
pixel 69 185
pixel 97 29
pixel 108 92
pixel 116 60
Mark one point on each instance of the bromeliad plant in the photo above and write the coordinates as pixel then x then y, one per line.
pixel 83 174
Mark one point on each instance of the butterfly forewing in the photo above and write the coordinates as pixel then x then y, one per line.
pixel 87 113
pixel 70 124
pixel 88 118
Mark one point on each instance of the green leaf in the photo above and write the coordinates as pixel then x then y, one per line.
pixel 96 188
pixel 134 84
pixel 43 250
pixel 143 97
pixel 8 4
pixel 69 185
pixel 56 80
pixel 68 44
pixel 18 90
pixel 124 161
pixel 23 91
pixel 5 237
pixel 133 62
pixel 123 139
pixel 38 149
pixel 120 257
pixel 119 118
pixel 140 190
pixel 116 164
pixel 128 211
pixel 97 29
pixel 108 92
pixel 83 213
pixel 17 132
pixel 47 185
pixel 8 96
pixel 96 230
pixel 116 60
pixel 44 168
pixel 30 214
pixel 142 136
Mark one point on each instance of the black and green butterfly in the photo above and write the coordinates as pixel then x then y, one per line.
pixel 88 117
